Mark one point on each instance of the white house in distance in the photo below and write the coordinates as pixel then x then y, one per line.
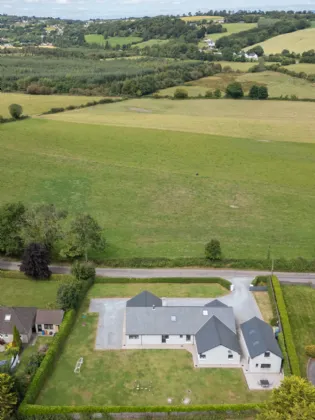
pixel 260 347
pixel 210 328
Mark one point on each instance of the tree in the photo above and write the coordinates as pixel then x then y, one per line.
pixel 234 90
pixel 257 50
pixel 84 234
pixel 83 270
pixel 17 342
pixel 294 399
pixel 180 93
pixel 11 219
pixel 254 91
pixel 263 92
pixel 42 224
pixel 217 94
pixel 8 397
pixel 35 261
pixel 15 111
pixel 69 294
pixel 213 250
pixel 209 94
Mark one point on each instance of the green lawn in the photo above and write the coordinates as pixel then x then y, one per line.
pixel 29 351
pixel 113 41
pixel 141 185
pixel 24 292
pixel 300 303
pixel 111 377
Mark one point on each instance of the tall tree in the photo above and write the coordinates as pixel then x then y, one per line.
pixel 17 342
pixel 42 225
pixel 35 261
pixel 8 397
pixel 213 250
pixel 294 399
pixel 11 219
pixel 84 234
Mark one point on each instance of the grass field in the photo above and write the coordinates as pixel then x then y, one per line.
pixel 111 377
pixel 232 28
pixel 278 84
pixel 297 42
pixel 237 66
pixel 141 185
pixel 150 43
pixel 24 292
pixel 263 301
pixel 37 104
pixel 113 41
pixel 305 67
pixel 197 18
pixel 300 303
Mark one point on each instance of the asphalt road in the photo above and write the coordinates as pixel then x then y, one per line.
pixel 177 272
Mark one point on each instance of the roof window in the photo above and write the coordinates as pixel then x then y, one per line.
pixel 173 318
pixel 7 317
pixel 205 312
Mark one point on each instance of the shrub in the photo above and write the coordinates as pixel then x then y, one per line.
pixel 83 270
pixel 263 92
pixel 55 110
pixel 213 250
pixel 254 92
pixel 180 93
pixel 310 351
pixel 217 94
pixel 209 94
pixel 34 363
pixel 234 90
pixel 68 294
pixel 15 111
pixel 261 280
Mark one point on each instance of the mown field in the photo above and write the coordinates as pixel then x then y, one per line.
pixel 113 41
pixel 304 67
pixel 300 303
pixel 166 193
pixel 232 28
pixel 111 377
pixel 37 104
pixel 298 42
pixel 278 84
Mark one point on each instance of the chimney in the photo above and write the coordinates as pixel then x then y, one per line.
pixel 153 307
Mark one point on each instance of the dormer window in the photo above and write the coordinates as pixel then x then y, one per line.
pixel 267 353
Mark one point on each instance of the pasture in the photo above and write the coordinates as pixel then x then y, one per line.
pixel 279 84
pixel 232 28
pixel 162 193
pixel 150 43
pixel 112 377
pixel 297 42
pixel 302 67
pixel 37 104
pixel 113 41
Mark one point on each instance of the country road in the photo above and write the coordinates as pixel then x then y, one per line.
pixel 178 272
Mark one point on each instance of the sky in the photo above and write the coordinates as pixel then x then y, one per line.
pixel 89 9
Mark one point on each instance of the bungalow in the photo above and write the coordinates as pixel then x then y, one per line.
pixel 210 329
pixel 261 349
pixel 47 322
pixel 22 318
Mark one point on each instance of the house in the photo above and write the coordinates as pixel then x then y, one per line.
pixel 22 318
pixel 210 329
pixel 260 347
pixel 47 322
pixel 251 56
pixel 210 43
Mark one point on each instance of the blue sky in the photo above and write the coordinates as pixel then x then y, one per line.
pixel 86 9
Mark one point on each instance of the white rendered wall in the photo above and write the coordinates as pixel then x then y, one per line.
pixel 219 356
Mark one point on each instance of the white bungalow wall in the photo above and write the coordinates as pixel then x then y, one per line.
pixel 220 356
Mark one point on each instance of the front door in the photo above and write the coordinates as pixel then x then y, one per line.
pixel 164 338
pixel 39 327
pixel 188 337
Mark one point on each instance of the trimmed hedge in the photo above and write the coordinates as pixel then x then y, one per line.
pixel 50 358
pixel 286 365
pixel 88 104
pixel 286 327
pixel 185 280
pixel 40 409
pixel 261 281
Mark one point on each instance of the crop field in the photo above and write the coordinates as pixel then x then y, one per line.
pixel 197 18
pixel 297 42
pixel 113 41
pixel 37 104
pixel 232 28
pixel 166 193
pixel 278 84
pixel 112 377
pixel 304 67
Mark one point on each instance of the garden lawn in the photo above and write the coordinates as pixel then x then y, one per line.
pixel 25 292
pixel 264 304
pixel 37 104
pixel 111 377
pixel 29 351
pixel 142 185
pixel 300 303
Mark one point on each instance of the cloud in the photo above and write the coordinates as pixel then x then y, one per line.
pixel 62 1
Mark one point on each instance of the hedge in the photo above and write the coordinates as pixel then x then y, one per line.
pixel 260 281
pixel 88 104
pixel 213 280
pixel 40 409
pixel 286 327
pixel 48 363
pixel 286 364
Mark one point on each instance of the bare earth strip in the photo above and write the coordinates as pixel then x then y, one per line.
pixel 269 120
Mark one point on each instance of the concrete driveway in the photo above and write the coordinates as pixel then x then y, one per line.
pixel 111 311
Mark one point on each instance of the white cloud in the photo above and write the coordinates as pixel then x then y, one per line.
pixel 62 1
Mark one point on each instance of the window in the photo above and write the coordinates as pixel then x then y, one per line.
pixel 267 354
pixel 230 356
pixel 173 318
pixel 202 356
pixel 7 317
pixel 265 365
pixel 205 312
pixel 257 365
pixel 188 337
pixel 48 326
pixel 180 336
pixel 133 337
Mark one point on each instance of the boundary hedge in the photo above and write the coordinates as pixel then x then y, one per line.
pixel 286 327
pixel 185 280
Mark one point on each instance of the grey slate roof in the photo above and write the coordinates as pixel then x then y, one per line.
pixel 259 338
pixel 213 334
pixel 46 316
pixel 144 299
pixel 216 304
pixel 186 319
pixel 22 318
